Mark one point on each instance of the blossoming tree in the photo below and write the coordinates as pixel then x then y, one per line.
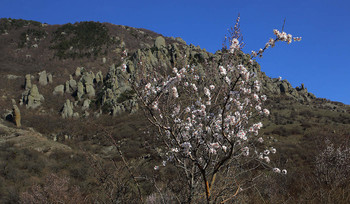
pixel 209 121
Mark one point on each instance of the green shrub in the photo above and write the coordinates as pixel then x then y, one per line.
pixel 84 39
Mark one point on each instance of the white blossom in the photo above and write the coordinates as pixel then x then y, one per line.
pixel 222 70
pixel 284 171
pixel 234 45
pixel 124 68
pixel 266 112
pixel 276 170
pixel 148 86
pixel 273 150
pixel 175 93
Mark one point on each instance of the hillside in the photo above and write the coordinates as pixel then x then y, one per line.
pixel 75 100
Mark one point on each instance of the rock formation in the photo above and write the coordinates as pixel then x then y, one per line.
pixel 16 116
pixel 80 90
pixel 67 110
pixel 43 78
pixel 78 72
pixel 28 82
pixel 59 90
pixel 99 77
pixel 32 98
pixel 159 42
pixel 49 78
pixel 71 85
pixel 86 104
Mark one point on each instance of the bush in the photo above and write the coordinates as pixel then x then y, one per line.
pixel 84 39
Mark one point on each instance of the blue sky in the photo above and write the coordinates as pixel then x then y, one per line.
pixel 320 60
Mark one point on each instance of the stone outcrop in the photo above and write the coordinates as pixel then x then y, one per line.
pixel 67 110
pixel 49 78
pixel 159 42
pixel 114 93
pixel 276 86
pixel 90 91
pixel 43 78
pixel 180 40
pixel 59 90
pixel 16 116
pixel 86 104
pixel 78 71
pixel 71 85
pixel 99 77
pixel 32 98
pixel 80 90
pixel 284 86
pixel 28 82
pixel 88 78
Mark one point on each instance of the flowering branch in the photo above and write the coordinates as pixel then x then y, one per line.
pixel 203 135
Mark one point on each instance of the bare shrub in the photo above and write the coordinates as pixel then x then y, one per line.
pixel 333 165
pixel 55 190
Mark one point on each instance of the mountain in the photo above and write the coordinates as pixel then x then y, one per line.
pixel 73 97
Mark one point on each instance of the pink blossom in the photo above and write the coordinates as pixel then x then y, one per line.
pixel 148 86
pixel 174 91
pixel 254 54
pixel 267 159
pixel 206 92
pixel 256 97
pixel 245 151
pixel 215 145
pixel 124 68
pixel 194 87
pixel 258 108
pixel 155 105
pixel 175 70
pixel 276 170
pixel 242 135
pixel 266 112
pixel 297 38
pixel 227 80
pixel 266 152
pixel 273 150
pixel 234 45
pixel 222 70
